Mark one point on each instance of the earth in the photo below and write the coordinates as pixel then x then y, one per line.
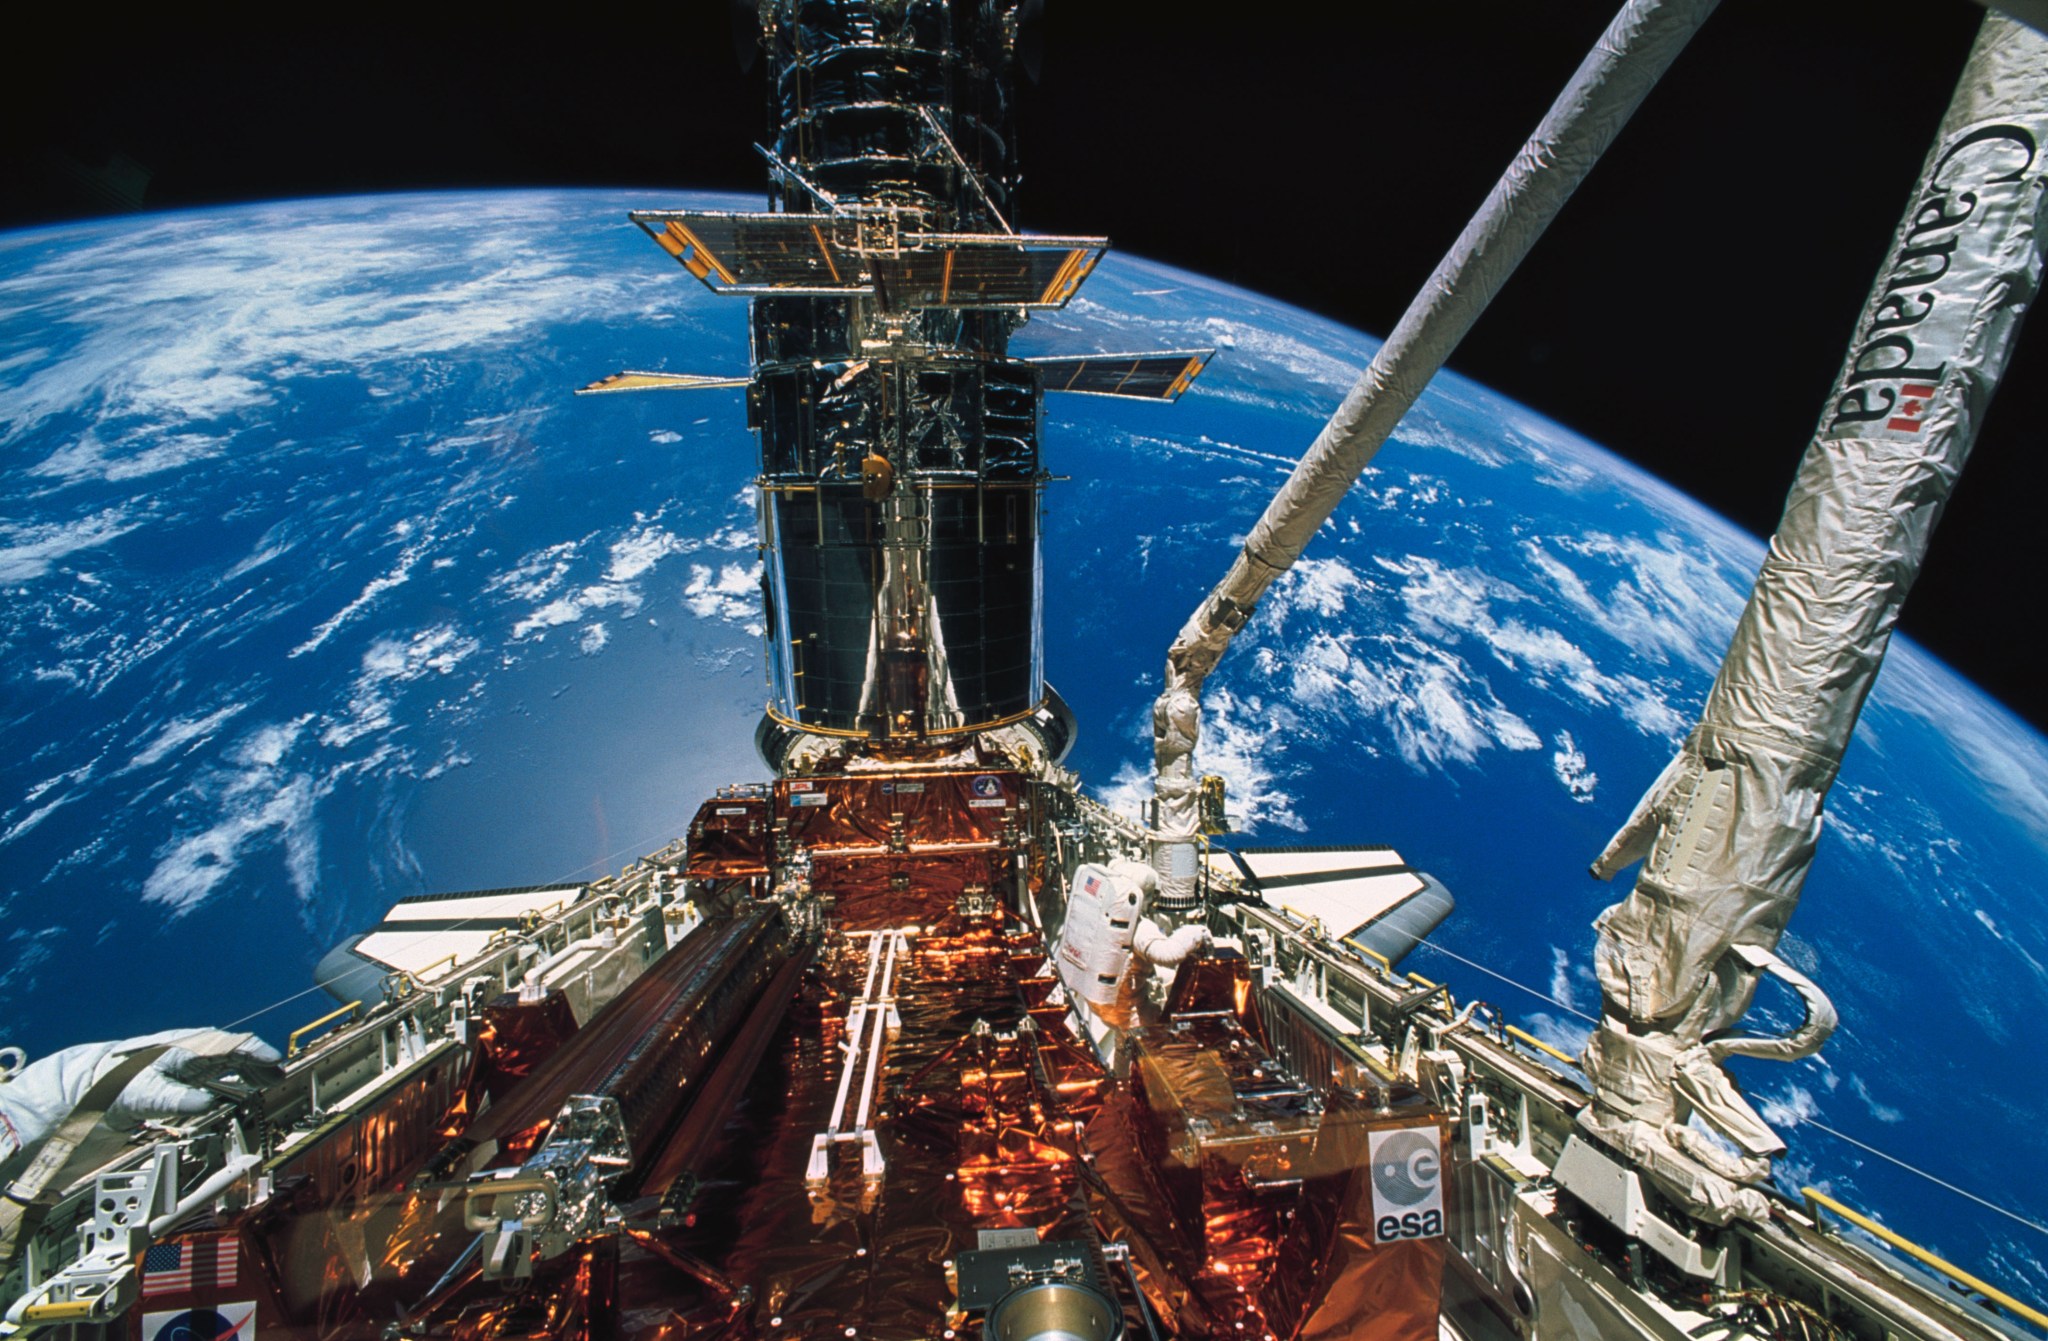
pixel 322 590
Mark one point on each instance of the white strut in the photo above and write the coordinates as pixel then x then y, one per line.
pixel 877 1002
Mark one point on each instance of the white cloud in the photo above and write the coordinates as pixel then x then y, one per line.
pixel 1569 763
pixel 208 323
pixel 540 576
pixel 1421 427
pixel 1322 586
pixel 638 551
pixel 28 551
pixel 559 611
pixel 90 459
pixel 181 731
pixel 1431 705
pixel 35 817
pixel 1561 978
pixel 453 761
pixel 1662 600
pixel 572 607
pixel 26 951
pixel 267 745
pixel 397 576
pixel 256 800
pixel 2004 757
pixel 734 595
pixel 189 869
pixel 433 651
pixel 537 574
pixel 1882 1112
pixel 263 554
pixel 1788 1107
pixel 1444 605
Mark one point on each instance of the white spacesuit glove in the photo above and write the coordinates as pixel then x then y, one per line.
pixel 37 1098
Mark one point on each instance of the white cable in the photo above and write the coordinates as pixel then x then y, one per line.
pixel 1939 1182
pixel 1540 996
pixel 1965 1193
pixel 318 987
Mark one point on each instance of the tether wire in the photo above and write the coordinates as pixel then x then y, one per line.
pixel 603 861
pixel 2034 1225
pixel 1938 1181
pixel 1565 1006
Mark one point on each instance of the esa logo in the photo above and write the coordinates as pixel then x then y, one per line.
pixel 1407 1184
pixel 1427 1225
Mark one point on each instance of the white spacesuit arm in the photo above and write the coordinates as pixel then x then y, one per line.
pixel 37 1098
pixel 1160 948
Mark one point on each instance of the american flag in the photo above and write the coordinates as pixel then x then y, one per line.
pixel 207 1263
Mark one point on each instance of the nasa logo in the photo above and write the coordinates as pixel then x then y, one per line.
pixel 223 1322
pixel 987 785
pixel 1407 1184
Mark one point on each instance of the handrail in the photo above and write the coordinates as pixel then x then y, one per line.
pixel 419 975
pixel 1814 1197
pixel 291 1047
pixel 1524 1036
pixel 1370 953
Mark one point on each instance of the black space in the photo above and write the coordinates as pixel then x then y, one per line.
pixel 1689 308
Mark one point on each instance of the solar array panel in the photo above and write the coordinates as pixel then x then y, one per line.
pixel 788 253
pixel 657 381
pixel 827 254
pixel 1155 376
pixel 994 272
